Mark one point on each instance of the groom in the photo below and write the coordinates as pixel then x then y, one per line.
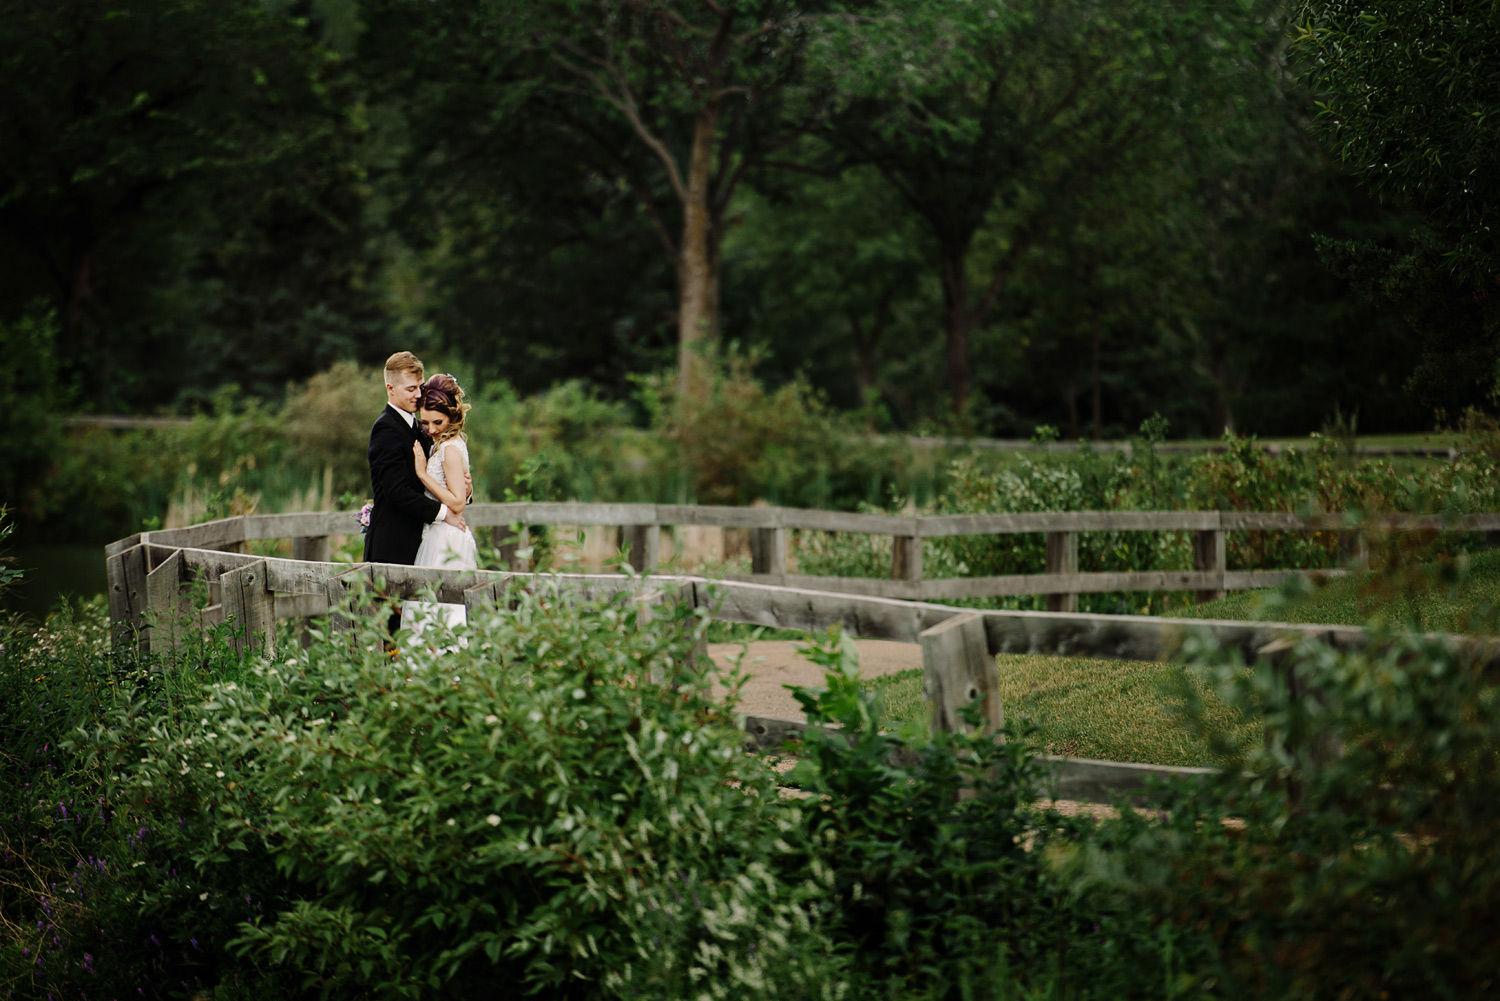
pixel 401 509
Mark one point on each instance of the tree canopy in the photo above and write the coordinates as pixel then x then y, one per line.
pixel 975 216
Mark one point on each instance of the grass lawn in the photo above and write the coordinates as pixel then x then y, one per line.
pixel 1110 709
pixel 1461 598
pixel 1124 710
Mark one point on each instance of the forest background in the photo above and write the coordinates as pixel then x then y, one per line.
pixel 691 217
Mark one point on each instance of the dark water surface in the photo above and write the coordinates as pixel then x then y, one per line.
pixel 52 572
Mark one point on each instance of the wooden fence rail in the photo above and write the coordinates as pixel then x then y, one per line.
pixel 1062 582
pixel 150 603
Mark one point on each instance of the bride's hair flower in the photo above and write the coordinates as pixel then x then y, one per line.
pixel 364 517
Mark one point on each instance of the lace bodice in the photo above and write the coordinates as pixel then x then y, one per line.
pixel 435 461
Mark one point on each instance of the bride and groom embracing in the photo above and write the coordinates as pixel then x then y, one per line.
pixel 417 449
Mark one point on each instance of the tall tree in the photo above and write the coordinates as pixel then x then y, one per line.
pixel 131 132
pixel 995 116
pixel 710 88
pixel 1410 94
pixel 831 272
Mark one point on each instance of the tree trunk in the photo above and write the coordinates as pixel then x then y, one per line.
pixel 1097 384
pixel 698 260
pixel 958 323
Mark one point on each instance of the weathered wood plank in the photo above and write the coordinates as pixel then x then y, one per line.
pixel 169 607
pixel 495 515
pixel 573 513
pixel 1145 638
pixel 874 587
pixel 957 668
pixel 208 535
pixel 303 523
pixel 481 597
pixel 340 590
pixel 126 575
pixel 1269 521
pixel 1249 580
pixel 847 521
pixel 1079 583
pixel 726 517
pixel 300 606
pixel 251 607
pixel 1089 781
pixel 1067 521
pixel 767 734
pixel 120 545
pixel 869 617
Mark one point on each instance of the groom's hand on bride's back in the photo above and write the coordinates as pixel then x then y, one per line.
pixel 456 520
pixel 468 488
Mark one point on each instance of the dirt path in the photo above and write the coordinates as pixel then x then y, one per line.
pixel 772 664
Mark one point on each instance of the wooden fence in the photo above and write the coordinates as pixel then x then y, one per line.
pixel 150 596
pixel 641 526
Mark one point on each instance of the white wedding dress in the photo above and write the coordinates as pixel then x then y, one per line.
pixel 442 546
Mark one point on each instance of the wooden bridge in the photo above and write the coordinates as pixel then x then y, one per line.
pixel 151 576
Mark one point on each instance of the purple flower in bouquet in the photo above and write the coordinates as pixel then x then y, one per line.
pixel 364 517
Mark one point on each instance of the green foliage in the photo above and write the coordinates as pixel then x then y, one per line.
pixel 557 800
pixel 1363 874
pixel 1109 710
pixel 107 482
pixel 941 864
pixel 741 441
pixel 184 190
pixel 8 574
pixel 1429 146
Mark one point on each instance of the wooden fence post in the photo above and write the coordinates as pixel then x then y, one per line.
pixel 170 606
pixel 1354 549
pixel 126 572
pixel 957 668
pixel 511 543
pixel 768 551
pixel 246 597
pixel 313 548
pixel 1210 555
pixel 1062 558
pixel 1323 747
pixel 481 598
pixel 643 547
pixel 337 588
pixel 906 558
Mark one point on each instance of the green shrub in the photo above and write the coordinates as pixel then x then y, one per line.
pixel 560 804
pixel 1369 874
pixel 326 422
pixel 739 441
pixel 942 882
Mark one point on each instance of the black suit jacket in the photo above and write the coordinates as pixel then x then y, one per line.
pixel 401 507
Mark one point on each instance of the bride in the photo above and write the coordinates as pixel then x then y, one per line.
pixel 442 410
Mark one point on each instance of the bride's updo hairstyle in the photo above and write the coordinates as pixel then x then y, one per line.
pixel 443 394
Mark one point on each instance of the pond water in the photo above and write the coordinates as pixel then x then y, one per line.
pixel 53 571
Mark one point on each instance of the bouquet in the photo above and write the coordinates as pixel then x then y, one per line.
pixel 364 517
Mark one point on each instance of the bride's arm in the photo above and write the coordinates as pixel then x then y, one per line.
pixel 456 470
pixel 453 502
